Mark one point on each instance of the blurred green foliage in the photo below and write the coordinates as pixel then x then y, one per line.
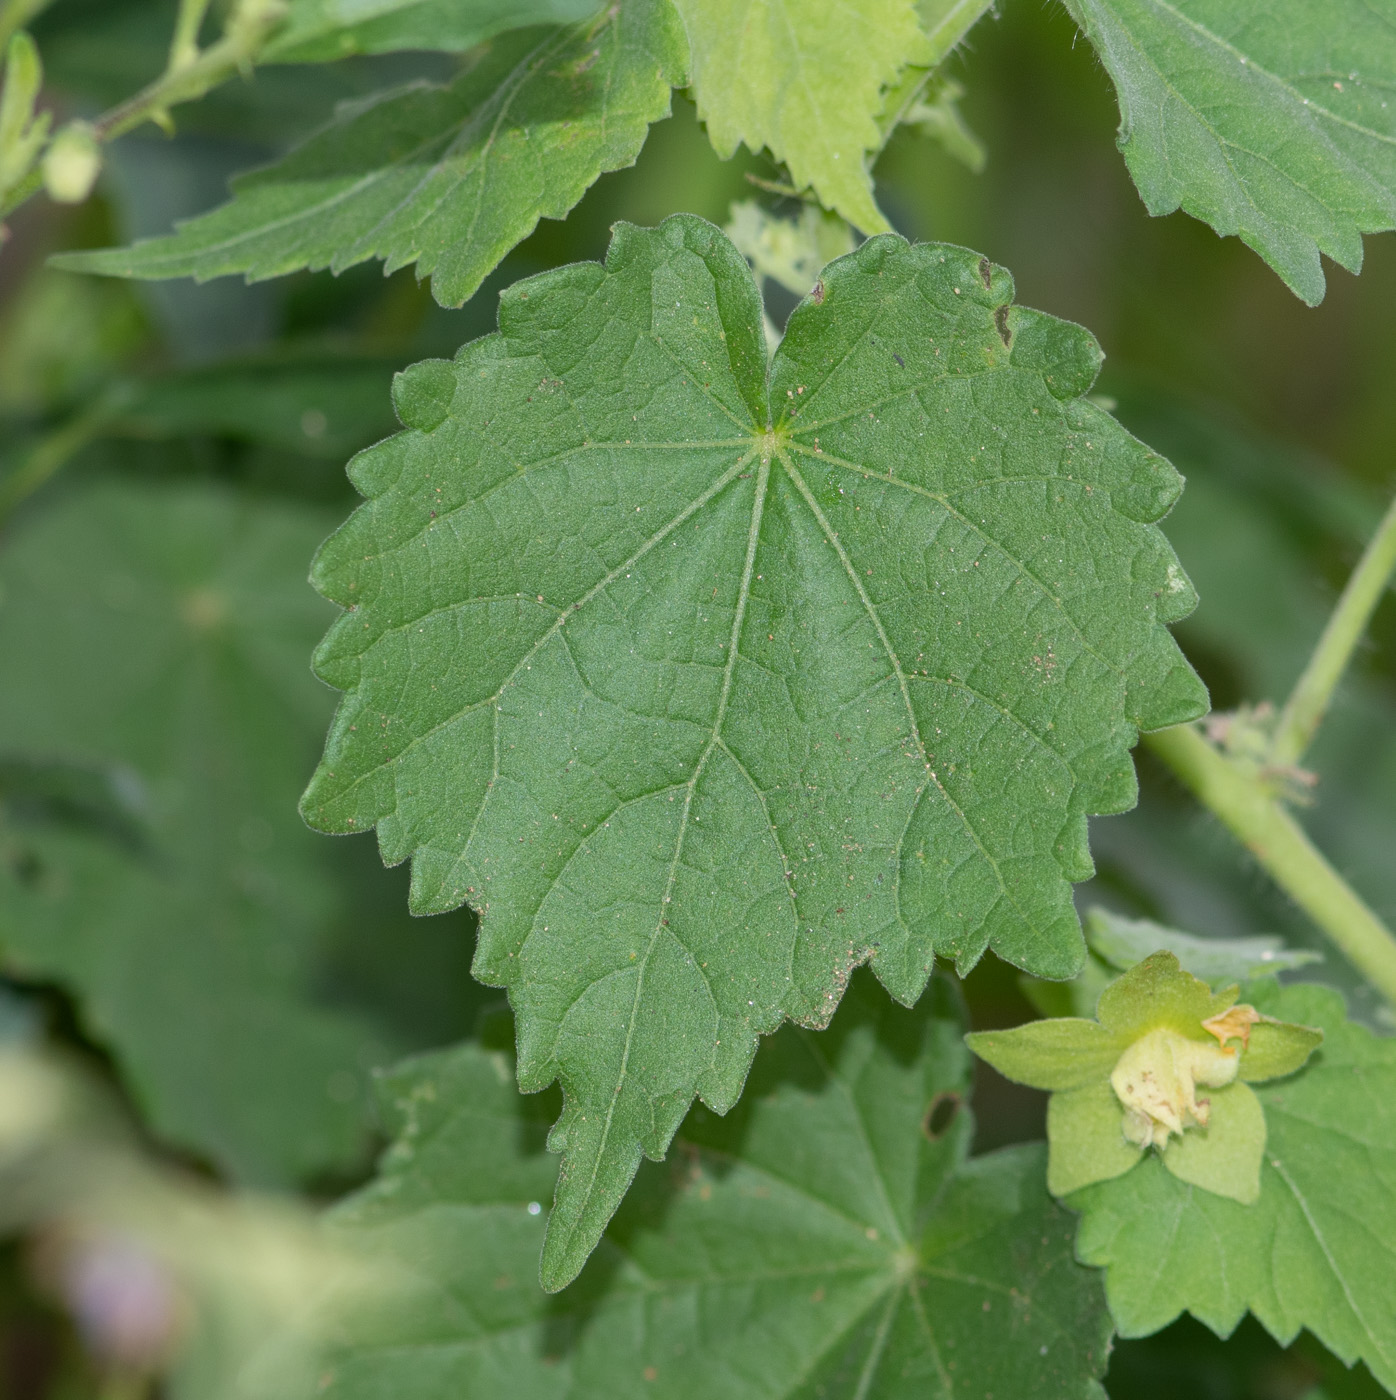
pixel 1282 417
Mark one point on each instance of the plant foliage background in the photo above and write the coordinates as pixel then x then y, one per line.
pixel 234 981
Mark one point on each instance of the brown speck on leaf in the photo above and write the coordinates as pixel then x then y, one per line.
pixel 817 293
pixel 986 269
pixel 1001 321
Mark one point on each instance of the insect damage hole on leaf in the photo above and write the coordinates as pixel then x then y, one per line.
pixel 783 708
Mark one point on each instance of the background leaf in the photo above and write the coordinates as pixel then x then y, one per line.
pixel 1271 121
pixel 819 1239
pixel 1124 942
pixel 447 177
pixel 702 713
pixel 1316 1251
pixel 805 81
pixel 319 30
pixel 157 712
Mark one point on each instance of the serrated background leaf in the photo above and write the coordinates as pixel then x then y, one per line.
pixel 702 714
pixel 1316 1251
pixel 316 31
pixel 816 1242
pixel 1125 942
pixel 448 178
pixel 1271 121
pixel 805 81
pixel 153 641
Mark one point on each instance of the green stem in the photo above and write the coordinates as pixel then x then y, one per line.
pixel 1244 803
pixel 1298 721
pixel 190 74
pixel 49 456
pixel 246 32
pixel 184 46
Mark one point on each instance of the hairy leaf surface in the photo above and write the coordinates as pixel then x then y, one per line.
pixel 1316 1251
pixel 706 688
pixel 821 1240
pixel 153 643
pixel 317 31
pixel 805 81
pixel 1275 122
pixel 447 177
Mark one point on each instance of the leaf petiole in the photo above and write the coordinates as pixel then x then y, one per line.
pixel 1309 700
pixel 1246 804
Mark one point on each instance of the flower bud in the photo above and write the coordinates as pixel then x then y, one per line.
pixel 72 163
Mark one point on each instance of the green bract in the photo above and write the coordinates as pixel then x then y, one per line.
pixel 1130 1080
pixel 706 683
pixel 827 1237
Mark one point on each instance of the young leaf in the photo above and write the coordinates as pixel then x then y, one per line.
pixel 161 634
pixel 806 82
pixel 1318 1248
pixel 1124 942
pixel 706 688
pixel 449 178
pixel 823 1239
pixel 317 31
pixel 1269 119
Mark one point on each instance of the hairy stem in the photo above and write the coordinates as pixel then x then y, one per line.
pixel 195 73
pixel 1299 720
pixel 1244 802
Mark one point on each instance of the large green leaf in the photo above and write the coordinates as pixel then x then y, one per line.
pixel 153 642
pixel 706 688
pixel 319 30
pixel 807 82
pixel 447 177
pixel 821 1240
pixel 1270 119
pixel 1316 1251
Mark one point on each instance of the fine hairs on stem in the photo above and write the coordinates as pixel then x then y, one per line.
pixel 1245 800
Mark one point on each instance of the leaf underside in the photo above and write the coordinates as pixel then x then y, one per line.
pixel 705 689
pixel 815 1242
pixel 1316 1251
pixel 1271 121
pixel 447 177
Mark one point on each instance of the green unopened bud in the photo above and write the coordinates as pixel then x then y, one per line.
pixel 72 163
